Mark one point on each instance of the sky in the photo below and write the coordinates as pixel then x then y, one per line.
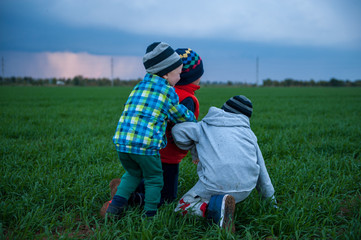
pixel 238 40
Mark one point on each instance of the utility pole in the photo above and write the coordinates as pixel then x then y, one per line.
pixel 3 67
pixel 257 69
pixel 111 70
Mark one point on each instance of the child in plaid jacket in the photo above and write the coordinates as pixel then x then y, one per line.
pixel 140 133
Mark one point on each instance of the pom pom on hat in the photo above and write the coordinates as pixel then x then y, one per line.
pixel 160 59
pixel 238 104
pixel 192 66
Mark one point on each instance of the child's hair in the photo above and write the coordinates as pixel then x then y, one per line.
pixel 192 66
pixel 160 59
pixel 238 104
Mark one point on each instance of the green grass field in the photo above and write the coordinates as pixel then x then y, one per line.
pixel 57 158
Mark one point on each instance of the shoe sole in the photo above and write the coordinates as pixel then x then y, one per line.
pixel 228 207
pixel 104 208
pixel 113 185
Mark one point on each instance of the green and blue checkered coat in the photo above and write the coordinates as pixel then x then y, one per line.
pixel 141 127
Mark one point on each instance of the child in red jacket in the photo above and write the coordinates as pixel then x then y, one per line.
pixel 171 155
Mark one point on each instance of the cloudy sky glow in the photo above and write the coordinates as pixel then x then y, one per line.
pixel 301 39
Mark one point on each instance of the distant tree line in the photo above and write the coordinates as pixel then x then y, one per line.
pixel 75 81
pixel 84 81
pixel 289 82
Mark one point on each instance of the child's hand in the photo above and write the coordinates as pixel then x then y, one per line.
pixel 196 161
pixel 274 202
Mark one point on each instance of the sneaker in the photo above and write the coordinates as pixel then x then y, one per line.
pixel 117 207
pixel 149 214
pixel 135 199
pixel 221 210
pixel 113 185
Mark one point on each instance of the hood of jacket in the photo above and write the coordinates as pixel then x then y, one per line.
pixel 219 117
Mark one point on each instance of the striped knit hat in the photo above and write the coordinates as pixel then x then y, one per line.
pixel 238 104
pixel 192 66
pixel 160 59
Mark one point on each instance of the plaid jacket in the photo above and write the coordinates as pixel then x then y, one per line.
pixel 141 127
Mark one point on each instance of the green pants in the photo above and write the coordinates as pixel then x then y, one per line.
pixel 138 167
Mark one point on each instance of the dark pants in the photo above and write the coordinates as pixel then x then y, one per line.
pixel 170 178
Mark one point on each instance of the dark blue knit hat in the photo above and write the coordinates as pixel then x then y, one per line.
pixel 160 59
pixel 192 66
pixel 238 104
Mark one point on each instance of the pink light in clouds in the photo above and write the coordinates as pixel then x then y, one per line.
pixel 68 65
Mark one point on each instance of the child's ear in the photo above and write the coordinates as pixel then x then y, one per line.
pixel 165 76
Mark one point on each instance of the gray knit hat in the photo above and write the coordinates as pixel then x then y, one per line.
pixel 239 104
pixel 160 59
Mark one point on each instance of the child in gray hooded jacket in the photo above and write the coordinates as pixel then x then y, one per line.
pixel 230 162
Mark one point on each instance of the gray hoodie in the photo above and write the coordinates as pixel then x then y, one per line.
pixel 230 158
